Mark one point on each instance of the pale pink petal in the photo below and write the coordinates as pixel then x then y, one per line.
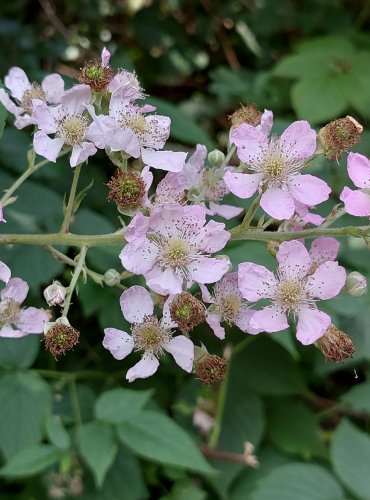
pixel 356 202
pixel 46 147
pixel 206 296
pixel 9 104
pixel 358 167
pixel 157 133
pixel 164 160
pixel 327 281
pixel 53 86
pixel 147 108
pixel 16 289
pixel 267 119
pixel 1 214
pixel 314 219
pixel 44 117
pixel 214 321
pixel 242 320
pixel 171 219
pixel 136 303
pixel 242 185
pixel 5 272
pixel 182 350
pixel 216 237
pixel 312 324
pixel 298 141
pixel 324 249
pixel 209 270
pixel 32 320
pixel 137 229
pixel 81 153
pixel 76 99
pixel 145 368
pixel 139 259
pixel 164 281
pixel 250 142
pixel 194 164
pixel 9 332
pixel 17 82
pixel 166 320
pixel 256 282
pixel 277 203
pixel 105 57
pixel 270 319
pixel 119 343
pixel 147 177
pixel 294 260
pixel 308 189
pixel 23 121
pixel 225 211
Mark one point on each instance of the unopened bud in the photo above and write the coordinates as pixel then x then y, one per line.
pixel 356 284
pixel 210 369
pixel 339 136
pixel 126 189
pixel 249 114
pixel 96 75
pixel 216 157
pixel 112 277
pixel 55 294
pixel 335 344
pixel 60 336
pixel 187 311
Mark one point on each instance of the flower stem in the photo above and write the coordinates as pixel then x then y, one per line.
pixel 71 200
pixel 76 273
pixel 248 217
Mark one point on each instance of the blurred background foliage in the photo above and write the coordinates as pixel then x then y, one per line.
pixel 75 428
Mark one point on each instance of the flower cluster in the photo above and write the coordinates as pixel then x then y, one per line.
pixel 170 237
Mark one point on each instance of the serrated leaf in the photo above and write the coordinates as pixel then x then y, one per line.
pixel 156 437
pixel 98 447
pixel 30 461
pixel 118 405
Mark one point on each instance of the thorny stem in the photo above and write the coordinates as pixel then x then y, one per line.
pixel 71 200
pixel 76 274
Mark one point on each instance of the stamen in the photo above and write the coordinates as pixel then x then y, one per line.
pixel 73 128
pixel 150 335
pixel 35 92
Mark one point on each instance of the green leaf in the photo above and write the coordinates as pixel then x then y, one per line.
pixel 25 404
pixel 98 448
pixel 358 397
pixel 118 405
pixel 30 461
pixel 156 437
pixel 293 428
pixel 57 434
pixel 183 128
pixel 298 482
pixel 301 66
pixel 350 454
pixel 318 99
pixel 19 353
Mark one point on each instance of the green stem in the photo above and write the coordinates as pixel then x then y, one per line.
pixel 229 155
pixel 76 274
pixel 248 217
pixel 88 374
pixel 71 200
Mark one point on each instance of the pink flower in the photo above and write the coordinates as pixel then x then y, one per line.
pixel 276 164
pixel 227 306
pixel 23 92
pixel 148 334
pixel 5 272
pixel 105 57
pixel 69 124
pixel 357 202
pixel 126 87
pixel 16 321
pixel 2 214
pixel 293 290
pixel 323 249
pixel 171 189
pixel 206 185
pixel 172 248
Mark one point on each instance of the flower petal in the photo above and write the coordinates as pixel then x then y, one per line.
pixel 324 249
pixel 270 319
pixel 312 324
pixel 164 160
pixel 81 153
pixel 164 281
pixel 32 320
pixel 76 99
pixel 358 167
pixel 225 211
pixel 46 147
pixel 355 202
pixel 206 296
pixel 214 321
pixel 208 269
pixel 308 189
pixel 53 86
pixel 298 141
pixel 43 116
pixel 9 332
pixel 139 257
pixel 250 141
pixel 267 119
pixel 16 289
pixel 277 203
pixel 105 57
pixel 255 281
pixel 145 368
pixel 216 237
pixel 182 350
pixel 294 260
pixel 242 185
pixel 136 303
pixel 166 320
pixel 327 281
pixel 17 82
pixel 9 104
pixel 119 343
pixel 5 272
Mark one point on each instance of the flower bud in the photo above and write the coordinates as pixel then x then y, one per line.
pixel 356 284
pixel 216 157
pixel 249 114
pixel 339 136
pixel 96 75
pixel 335 344
pixel 187 311
pixel 209 368
pixel 126 189
pixel 112 277
pixel 60 336
pixel 55 294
